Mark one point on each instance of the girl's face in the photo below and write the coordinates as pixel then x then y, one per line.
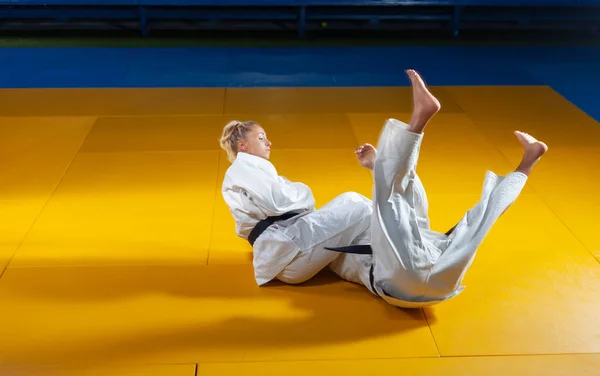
pixel 256 143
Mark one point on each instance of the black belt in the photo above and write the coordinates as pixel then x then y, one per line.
pixel 261 226
pixel 364 249
pixel 357 249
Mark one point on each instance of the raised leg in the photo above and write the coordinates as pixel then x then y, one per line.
pixel 498 195
pixel 395 162
pixel 400 202
pixel 425 106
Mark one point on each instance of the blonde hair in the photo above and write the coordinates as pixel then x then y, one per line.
pixel 233 132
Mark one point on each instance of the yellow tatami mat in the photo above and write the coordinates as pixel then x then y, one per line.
pixel 107 102
pixel 159 370
pixel 327 100
pixel 552 365
pixel 35 153
pixel 183 314
pixel 127 207
pixel 557 365
pixel 119 257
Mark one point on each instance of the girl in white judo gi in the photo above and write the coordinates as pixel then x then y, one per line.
pixel 278 217
pixel 407 264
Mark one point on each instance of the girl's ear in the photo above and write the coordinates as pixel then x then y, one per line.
pixel 241 145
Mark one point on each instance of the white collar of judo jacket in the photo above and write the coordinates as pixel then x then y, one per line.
pixel 258 180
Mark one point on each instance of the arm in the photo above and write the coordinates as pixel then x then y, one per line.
pixel 272 195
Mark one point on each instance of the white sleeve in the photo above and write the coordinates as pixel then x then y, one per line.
pixel 271 196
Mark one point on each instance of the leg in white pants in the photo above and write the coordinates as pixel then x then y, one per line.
pixel 414 266
pixel 343 221
pixel 412 262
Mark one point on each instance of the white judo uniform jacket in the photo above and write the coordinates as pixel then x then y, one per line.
pixel 253 190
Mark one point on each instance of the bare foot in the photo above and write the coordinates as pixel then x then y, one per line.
pixel 425 104
pixel 366 154
pixel 534 150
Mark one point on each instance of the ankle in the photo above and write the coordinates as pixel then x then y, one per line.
pixel 524 168
pixel 417 125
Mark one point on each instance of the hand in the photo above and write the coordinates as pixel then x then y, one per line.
pixel 366 154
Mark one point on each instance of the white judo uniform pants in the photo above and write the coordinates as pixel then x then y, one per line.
pixel 412 265
pixel 343 221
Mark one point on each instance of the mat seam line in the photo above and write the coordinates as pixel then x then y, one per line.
pixel 39 214
pixel 214 210
pixel 437 347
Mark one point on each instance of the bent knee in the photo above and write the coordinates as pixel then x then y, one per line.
pixel 352 204
pixel 357 202
pixel 353 197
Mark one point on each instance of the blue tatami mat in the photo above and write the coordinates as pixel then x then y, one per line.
pixel 571 71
